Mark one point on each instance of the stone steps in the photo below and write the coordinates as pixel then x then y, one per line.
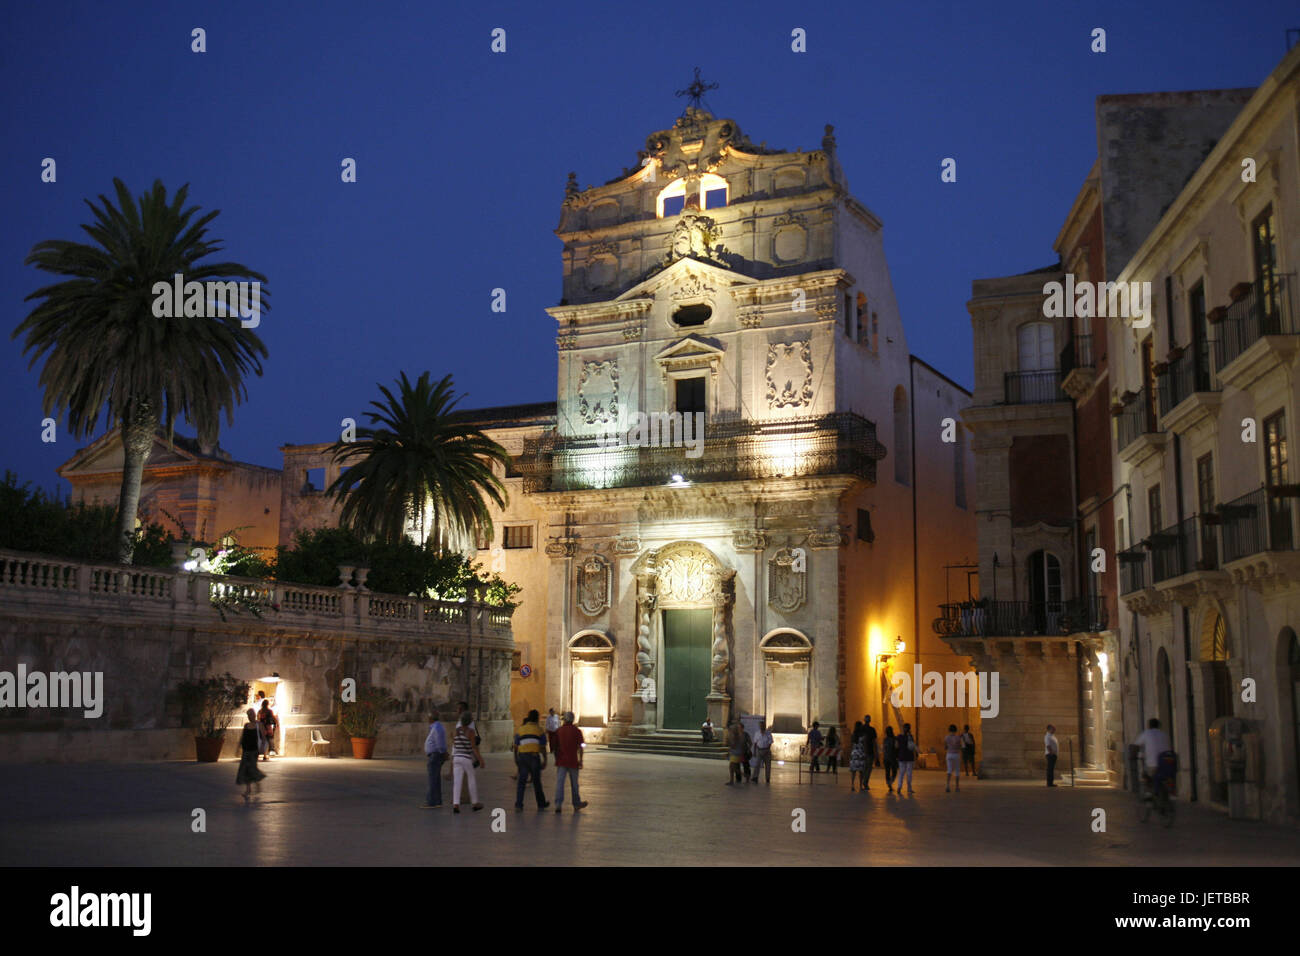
pixel 670 743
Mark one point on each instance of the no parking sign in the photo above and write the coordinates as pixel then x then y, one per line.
pixel 525 670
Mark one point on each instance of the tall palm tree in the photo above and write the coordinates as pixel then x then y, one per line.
pixel 105 351
pixel 418 468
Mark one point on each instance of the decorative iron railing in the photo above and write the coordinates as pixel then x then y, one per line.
pixel 1132 570
pixel 1137 419
pixel 1191 545
pixel 1022 618
pixel 1262 520
pixel 732 450
pixel 1034 388
pixel 1265 310
pixel 1185 375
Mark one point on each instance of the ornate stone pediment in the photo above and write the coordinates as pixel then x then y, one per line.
pixel 787 579
pixel 594 585
pixel 789 374
pixel 693 286
pixel 627 545
pixel 689 354
pixel 562 548
pixel 598 392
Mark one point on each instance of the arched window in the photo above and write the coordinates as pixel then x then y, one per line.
pixel 902 438
pixel 672 198
pixel 1214 651
pixel 1037 347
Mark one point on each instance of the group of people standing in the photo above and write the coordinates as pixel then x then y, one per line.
pixel 897 754
pixel 564 739
pixel 747 753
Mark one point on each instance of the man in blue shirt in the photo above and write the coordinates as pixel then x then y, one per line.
pixel 435 748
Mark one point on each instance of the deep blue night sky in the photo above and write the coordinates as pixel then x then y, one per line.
pixel 462 156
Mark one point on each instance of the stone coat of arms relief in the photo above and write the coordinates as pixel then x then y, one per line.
pixel 787 581
pixel 594 580
pixel 598 392
pixel 789 374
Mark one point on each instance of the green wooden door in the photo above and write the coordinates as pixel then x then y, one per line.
pixel 685 681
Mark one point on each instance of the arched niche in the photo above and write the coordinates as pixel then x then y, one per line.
pixel 591 665
pixel 787 680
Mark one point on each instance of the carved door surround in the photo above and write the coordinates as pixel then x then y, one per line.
pixel 683 574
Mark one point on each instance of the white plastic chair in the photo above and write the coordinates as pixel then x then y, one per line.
pixel 318 741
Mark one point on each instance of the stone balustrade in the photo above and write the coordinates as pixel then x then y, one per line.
pixel 188 596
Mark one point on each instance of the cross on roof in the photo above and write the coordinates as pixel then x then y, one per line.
pixel 696 90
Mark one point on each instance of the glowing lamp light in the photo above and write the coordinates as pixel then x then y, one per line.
pixel 679 482
pixel 780 763
pixel 899 645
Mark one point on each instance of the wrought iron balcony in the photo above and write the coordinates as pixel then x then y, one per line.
pixel 1034 388
pixel 1191 545
pixel 1132 570
pixel 1076 354
pixel 733 450
pixel 1260 521
pixel 1265 310
pixel 1137 419
pixel 1186 375
pixel 1022 618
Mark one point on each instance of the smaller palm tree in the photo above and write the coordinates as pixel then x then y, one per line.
pixel 419 469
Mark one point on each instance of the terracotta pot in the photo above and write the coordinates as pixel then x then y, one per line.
pixel 1240 291
pixel 363 748
pixel 1216 315
pixel 208 749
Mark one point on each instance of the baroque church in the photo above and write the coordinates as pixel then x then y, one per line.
pixel 741 501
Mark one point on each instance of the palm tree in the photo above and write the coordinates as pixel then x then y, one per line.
pixel 106 352
pixel 419 467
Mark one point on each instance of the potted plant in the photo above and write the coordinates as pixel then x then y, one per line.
pixel 1160 367
pixel 1240 291
pixel 361 719
pixel 1175 353
pixel 207 707
pixel 1116 409
pixel 1217 314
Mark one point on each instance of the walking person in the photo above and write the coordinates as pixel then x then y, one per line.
pixel 249 746
pixel 869 750
pixel 967 751
pixel 906 758
pixel 465 760
pixel 568 761
pixel 435 752
pixel 735 752
pixel 552 725
pixel 833 760
pixel 530 759
pixel 857 757
pixel 1051 750
pixel 889 757
pixel 952 754
pixel 763 752
pixel 814 744
pixel 747 753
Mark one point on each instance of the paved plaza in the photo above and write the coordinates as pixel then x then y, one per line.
pixel 644 810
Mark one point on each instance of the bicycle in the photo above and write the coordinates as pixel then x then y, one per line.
pixel 1157 791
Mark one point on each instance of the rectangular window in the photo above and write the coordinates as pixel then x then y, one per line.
pixel 1169 310
pixel 715 198
pixel 1090 545
pixel 690 395
pixel 864 526
pixel 313 480
pixel 1264 244
pixel 673 205
pixel 861 313
pixel 484 541
pixel 1275 454
pixel 1154 517
pixel 1205 483
pixel 1121 542
pixel 848 315
pixel 517 536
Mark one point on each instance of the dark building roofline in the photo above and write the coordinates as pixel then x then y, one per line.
pixel 503 416
pixel 923 362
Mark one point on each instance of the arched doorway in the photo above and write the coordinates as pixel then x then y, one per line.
pixel 591 660
pixel 1214 651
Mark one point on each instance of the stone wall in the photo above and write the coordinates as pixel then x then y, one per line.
pixel 147 630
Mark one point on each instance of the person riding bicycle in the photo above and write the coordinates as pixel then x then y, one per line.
pixel 1153 744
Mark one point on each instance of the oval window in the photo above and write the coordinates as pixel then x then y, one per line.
pixel 691 315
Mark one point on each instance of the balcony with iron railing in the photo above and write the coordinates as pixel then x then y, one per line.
pixel 1132 570
pixel 1189 390
pixel 1136 419
pixel 1262 311
pixel 1034 387
pixel 1022 618
pixel 1191 545
pixel 1263 520
pixel 734 449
